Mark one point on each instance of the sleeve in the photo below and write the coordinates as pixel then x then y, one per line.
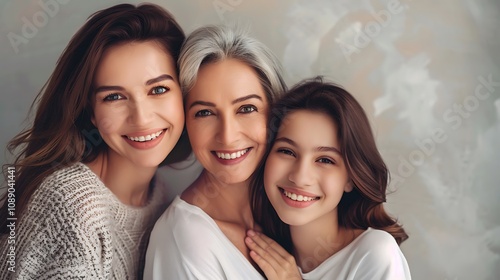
pixel 182 247
pixel 381 259
pixel 55 239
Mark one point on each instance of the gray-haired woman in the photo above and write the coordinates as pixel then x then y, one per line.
pixel 229 82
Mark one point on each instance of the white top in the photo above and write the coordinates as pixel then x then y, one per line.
pixel 373 255
pixel 75 227
pixel 179 175
pixel 186 243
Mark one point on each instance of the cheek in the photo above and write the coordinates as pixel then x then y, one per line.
pixel 273 171
pixel 198 133
pixel 106 121
pixel 172 110
pixel 334 179
pixel 257 128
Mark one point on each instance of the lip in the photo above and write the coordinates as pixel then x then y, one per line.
pixel 147 144
pixel 294 203
pixel 231 161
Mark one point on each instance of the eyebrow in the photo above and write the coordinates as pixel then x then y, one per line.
pixel 237 100
pixel 244 98
pixel 319 149
pixel 148 82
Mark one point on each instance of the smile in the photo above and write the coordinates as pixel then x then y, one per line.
pixel 298 197
pixel 145 138
pixel 234 155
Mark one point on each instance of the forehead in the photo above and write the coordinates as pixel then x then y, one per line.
pixel 309 129
pixel 226 79
pixel 134 61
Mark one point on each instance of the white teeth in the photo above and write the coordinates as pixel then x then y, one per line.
pixel 232 155
pixel 144 138
pixel 294 196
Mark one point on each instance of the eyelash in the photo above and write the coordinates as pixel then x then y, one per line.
pixel 201 113
pixel 242 110
pixel 111 97
pixel 329 161
pixel 291 153
pixel 286 152
pixel 244 107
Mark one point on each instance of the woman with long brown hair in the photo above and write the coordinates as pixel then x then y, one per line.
pixel 321 190
pixel 109 114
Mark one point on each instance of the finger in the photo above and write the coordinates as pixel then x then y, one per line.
pixel 264 252
pixel 272 247
pixel 271 263
pixel 277 247
pixel 266 267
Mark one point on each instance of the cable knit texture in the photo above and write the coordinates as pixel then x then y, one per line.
pixel 76 228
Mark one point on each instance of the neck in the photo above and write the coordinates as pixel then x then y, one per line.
pixel 223 201
pixel 316 241
pixel 128 182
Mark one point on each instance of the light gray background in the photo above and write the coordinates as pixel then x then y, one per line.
pixel 412 64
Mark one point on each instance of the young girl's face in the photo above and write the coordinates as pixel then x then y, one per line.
pixel 138 103
pixel 305 175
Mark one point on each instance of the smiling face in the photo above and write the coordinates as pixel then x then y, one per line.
pixel 226 115
pixel 305 175
pixel 138 103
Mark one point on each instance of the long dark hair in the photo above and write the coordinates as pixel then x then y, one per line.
pixel 363 206
pixel 62 132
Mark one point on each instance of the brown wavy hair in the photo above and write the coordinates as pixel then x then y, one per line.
pixel 363 206
pixel 62 132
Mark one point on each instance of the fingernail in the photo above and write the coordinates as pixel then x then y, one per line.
pixel 249 240
pixel 251 233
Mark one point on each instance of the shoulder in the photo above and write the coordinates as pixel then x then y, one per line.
pixel 375 243
pixel 66 222
pixel 73 193
pixel 184 244
pixel 185 224
pixel 69 181
pixel 377 253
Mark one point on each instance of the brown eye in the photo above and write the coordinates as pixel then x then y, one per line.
pixel 285 151
pixel 203 113
pixel 326 160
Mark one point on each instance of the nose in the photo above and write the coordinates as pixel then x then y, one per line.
pixel 140 112
pixel 301 173
pixel 228 130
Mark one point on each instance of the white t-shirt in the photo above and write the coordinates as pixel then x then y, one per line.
pixel 186 243
pixel 373 255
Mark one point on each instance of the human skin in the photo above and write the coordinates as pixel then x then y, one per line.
pixel 226 116
pixel 304 178
pixel 138 112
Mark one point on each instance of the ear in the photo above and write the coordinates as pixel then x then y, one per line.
pixel 92 119
pixel 349 186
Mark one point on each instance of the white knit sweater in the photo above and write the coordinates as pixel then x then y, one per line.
pixel 76 228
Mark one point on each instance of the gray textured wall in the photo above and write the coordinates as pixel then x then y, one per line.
pixel 427 73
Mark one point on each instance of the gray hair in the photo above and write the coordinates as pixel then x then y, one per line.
pixel 216 43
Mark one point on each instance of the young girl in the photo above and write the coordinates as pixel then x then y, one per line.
pixel 320 193
pixel 108 116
